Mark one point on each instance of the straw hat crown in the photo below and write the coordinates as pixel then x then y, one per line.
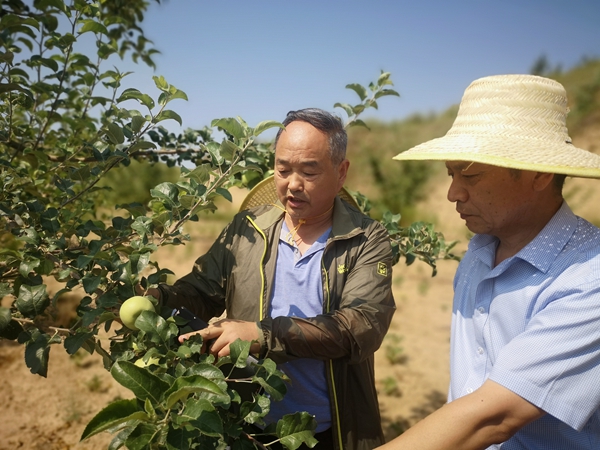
pixel 514 121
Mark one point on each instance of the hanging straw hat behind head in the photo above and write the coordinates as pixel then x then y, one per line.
pixel 513 121
pixel 265 193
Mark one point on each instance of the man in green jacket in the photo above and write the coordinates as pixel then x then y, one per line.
pixel 308 280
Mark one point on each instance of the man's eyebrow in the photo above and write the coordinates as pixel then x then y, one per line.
pixel 306 163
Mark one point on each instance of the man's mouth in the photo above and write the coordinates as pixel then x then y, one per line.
pixel 295 201
pixel 463 215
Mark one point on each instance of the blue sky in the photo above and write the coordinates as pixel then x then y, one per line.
pixel 260 59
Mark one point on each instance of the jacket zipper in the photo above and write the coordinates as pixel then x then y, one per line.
pixel 327 309
pixel 262 272
pixel 332 379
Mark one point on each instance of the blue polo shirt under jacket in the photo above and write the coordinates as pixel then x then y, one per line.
pixel 532 324
pixel 298 292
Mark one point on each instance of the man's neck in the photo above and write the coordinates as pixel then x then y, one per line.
pixel 305 232
pixel 513 243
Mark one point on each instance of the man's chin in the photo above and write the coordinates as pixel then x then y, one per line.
pixel 471 224
pixel 295 213
pixel 476 228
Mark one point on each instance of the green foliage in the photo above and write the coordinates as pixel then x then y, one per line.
pixel 68 127
pixel 394 352
pixel 186 399
pixel 133 183
pixel 417 241
pixel 541 67
pixel 390 387
pixel 368 98
pixel 95 384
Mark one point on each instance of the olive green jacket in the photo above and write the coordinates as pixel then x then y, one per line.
pixel 236 275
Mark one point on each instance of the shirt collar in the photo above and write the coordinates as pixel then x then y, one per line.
pixel 319 244
pixel 343 225
pixel 542 250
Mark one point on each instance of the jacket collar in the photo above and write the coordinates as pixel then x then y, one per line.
pixel 271 216
pixel 343 223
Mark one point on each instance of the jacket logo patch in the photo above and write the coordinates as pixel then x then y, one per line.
pixel 342 268
pixel 382 269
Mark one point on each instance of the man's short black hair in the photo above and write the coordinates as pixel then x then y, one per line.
pixel 329 124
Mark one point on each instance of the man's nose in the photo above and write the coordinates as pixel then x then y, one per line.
pixel 456 193
pixel 295 182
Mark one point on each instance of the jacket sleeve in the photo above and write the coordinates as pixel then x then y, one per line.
pixel 363 306
pixel 203 290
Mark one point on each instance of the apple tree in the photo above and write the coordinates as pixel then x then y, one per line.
pixel 66 120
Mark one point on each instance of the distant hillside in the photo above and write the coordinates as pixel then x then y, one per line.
pixel 406 187
pixel 583 89
pixel 390 184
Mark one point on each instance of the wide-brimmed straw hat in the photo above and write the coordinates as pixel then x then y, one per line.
pixel 514 121
pixel 265 193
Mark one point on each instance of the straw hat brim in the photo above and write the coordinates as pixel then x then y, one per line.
pixel 514 121
pixel 265 193
pixel 559 157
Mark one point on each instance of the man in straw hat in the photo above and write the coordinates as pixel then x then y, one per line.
pixel 308 279
pixel 525 336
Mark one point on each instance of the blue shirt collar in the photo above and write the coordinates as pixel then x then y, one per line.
pixel 319 244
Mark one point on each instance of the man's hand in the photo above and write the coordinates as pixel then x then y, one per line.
pixel 224 332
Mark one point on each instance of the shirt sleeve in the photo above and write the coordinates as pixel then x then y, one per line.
pixel 555 362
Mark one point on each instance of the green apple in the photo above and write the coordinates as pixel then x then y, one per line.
pixel 132 308
pixel 250 176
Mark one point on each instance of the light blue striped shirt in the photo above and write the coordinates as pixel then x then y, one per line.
pixel 532 324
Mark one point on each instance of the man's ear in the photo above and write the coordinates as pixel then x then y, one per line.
pixel 343 172
pixel 542 180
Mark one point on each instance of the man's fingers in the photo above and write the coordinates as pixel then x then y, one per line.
pixel 218 335
pixel 186 336
pixel 209 339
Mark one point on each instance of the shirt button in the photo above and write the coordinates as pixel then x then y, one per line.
pixel 481 310
pixel 470 390
pixel 480 351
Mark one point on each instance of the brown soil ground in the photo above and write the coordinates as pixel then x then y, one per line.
pixel 411 366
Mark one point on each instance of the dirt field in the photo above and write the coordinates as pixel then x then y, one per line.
pixel 411 366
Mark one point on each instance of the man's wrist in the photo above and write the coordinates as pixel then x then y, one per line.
pixel 262 340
